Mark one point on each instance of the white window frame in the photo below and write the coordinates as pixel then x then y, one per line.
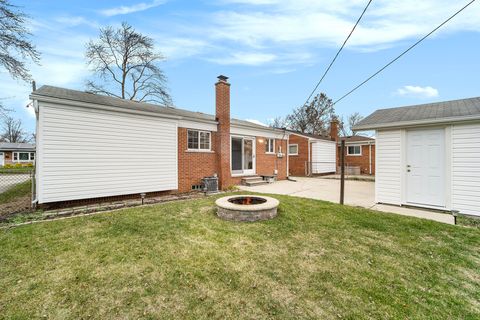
pixel 270 142
pixel 199 149
pixel 16 156
pixel 354 154
pixel 291 145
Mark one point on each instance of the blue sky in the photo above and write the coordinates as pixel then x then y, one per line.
pixel 274 51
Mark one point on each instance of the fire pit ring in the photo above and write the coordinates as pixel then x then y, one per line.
pixel 247 208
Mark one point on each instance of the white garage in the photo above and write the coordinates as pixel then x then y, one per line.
pixel 427 155
pixel 90 150
pixel 323 156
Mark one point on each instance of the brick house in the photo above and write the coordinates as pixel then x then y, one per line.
pixel 117 147
pixel 359 154
pixel 16 153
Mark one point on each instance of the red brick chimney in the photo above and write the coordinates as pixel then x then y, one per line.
pixel 222 115
pixel 334 129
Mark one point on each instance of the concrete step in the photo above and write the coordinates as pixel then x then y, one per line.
pixel 255 183
pixel 252 178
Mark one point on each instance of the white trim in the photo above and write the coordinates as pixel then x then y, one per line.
pixel 198 125
pixel 267 143
pixel 244 172
pixel 199 149
pixel 52 102
pixel 2 158
pixel 17 153
pixel 354 154
pixel 292 154
pixel 255 132
pixel 415 123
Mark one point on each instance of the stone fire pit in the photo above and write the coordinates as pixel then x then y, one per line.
pixel 247 208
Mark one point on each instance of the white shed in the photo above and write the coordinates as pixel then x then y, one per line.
pixel 428 155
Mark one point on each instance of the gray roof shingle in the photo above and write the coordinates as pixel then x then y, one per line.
pixel 81 96
pixel 455 110
pixel 8 146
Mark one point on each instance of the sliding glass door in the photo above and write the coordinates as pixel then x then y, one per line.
pixel 243 155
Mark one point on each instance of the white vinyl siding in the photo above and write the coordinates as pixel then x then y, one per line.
pixel 388 155
pixel 88 153
pixel 466 168
pixel 323 157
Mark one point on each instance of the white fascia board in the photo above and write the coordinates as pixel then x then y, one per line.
pixel 417 123
pixel 53 101
pixel 198 124
pixel 257 132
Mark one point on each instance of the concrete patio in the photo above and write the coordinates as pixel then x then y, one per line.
pixel 357 193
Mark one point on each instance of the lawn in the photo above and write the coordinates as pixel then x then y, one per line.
pixel 178 261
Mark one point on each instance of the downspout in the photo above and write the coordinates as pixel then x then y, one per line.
pixel 370 157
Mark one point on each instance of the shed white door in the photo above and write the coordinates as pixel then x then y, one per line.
pixel 323 157
pixel 426 167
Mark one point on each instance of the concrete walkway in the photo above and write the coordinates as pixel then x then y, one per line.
pixel 357 193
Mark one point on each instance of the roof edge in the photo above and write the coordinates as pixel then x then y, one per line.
pixel 415 123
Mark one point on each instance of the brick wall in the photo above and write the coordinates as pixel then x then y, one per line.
pixel 222 115
pixel 193 166
pixel 267 163
pixel 297 163
pixel 359 161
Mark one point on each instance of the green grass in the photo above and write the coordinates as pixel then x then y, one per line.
pixel 316 260
pixel 14 170
pixel 19 190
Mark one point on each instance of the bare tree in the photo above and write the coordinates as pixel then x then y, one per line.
pixel 314 117
pixel 12 131
pixel 278 122
pixel 352 120
pixel 15 48
pixel 126 66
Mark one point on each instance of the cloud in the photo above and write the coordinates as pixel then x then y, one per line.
pixel 417 91
pixel 75 21
pixel 321 23
pixel 245 58
pixel 142 6
pixel 256 122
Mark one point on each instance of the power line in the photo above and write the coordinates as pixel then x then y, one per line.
pixel 404 52
pixel 338 52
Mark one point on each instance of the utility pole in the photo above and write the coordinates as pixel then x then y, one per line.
pixel 342 171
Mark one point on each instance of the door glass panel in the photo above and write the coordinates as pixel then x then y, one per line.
pixel 236 154
pixel 247 154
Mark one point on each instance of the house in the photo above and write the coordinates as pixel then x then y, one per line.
pixel 427 155
pixel 16 153
pixel 311 154
pixel 93 146
pixel 359 154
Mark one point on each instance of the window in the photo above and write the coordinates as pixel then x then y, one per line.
pixel 198 140
pixel 354 150
pixel 23 156
pixel 270 146
pixel 293 149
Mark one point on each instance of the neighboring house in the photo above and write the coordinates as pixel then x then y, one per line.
pixel 311 154
pixel 359 154
pixel 13 153
pixel 428 155
pixel 93 146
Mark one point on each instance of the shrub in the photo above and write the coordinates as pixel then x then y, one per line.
pixel 18 165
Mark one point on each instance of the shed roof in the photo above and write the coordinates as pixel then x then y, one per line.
pixel 81 96
pixel 437 112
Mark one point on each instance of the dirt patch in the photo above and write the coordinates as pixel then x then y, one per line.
pixel 17 205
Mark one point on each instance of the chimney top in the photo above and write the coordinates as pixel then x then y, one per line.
pixel 222 78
